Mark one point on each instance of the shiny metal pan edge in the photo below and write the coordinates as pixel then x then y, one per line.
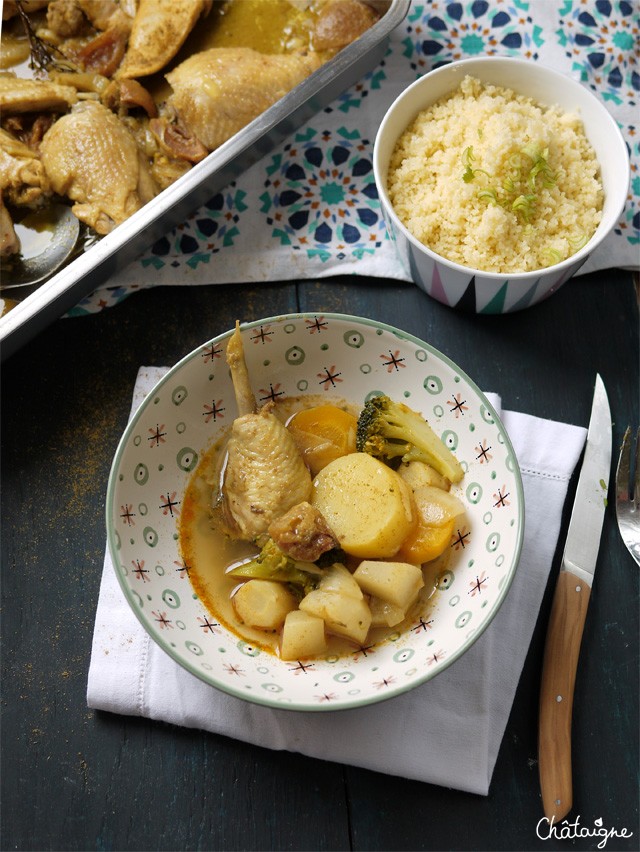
pixel 113 252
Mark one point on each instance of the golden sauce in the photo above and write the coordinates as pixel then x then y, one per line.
pixel 268 26
pixel 209 554
pixel 35 232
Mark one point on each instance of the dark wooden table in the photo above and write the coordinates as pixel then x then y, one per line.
pixel 76 779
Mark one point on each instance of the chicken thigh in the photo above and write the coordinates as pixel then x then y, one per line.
pixel 264 475
pixel 90 156
pixel 219 91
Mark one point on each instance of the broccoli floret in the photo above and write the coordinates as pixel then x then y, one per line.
pixel 272 564
pixel 389 430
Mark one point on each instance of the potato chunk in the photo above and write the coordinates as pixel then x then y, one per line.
pixel 384 614
pixel 436 507
pixel 417 474
pixel 395 582
pixel 366 504
pixel 302 636
pixel 263 604
pixel 343 616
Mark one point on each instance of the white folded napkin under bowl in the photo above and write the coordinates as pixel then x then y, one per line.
pixel 446 731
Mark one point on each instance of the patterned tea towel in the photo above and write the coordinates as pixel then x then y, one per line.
pixel 310 208
pixel 446 731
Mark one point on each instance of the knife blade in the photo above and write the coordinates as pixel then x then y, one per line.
pixel 569 610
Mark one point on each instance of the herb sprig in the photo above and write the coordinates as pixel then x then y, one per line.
pixel 529 170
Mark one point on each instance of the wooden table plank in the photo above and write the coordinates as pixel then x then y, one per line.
pixel 75 779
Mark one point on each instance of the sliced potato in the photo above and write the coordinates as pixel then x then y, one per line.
pixel 302 636
pixel 395 582
pixel 263 604
pixel 343 616
pixel 366 504
pixel 417 473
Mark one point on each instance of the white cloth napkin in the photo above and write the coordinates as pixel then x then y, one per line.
pixel 309 210
pixel 447 731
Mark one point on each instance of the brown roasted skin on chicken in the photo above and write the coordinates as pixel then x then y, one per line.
pixel 91 157
pixel 264 474
pixel 159 30
pixel 303 533
pixel 219 91
pixel 340 22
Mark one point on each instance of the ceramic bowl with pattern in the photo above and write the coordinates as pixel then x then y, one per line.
pixel 337 356
pixel 471 289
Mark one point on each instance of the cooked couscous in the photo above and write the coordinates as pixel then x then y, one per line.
pixel 495 181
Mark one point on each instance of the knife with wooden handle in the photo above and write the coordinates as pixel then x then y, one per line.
pixel 568 613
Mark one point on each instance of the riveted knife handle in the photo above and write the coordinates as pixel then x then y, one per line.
pixel 562 649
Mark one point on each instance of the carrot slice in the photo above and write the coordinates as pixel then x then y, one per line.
pixel 323 433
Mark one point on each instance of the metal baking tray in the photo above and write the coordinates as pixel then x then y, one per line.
pixel 130 239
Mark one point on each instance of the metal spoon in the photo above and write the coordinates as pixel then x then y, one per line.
pixel 64 228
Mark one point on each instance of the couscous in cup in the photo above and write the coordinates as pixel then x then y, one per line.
pixel 462 284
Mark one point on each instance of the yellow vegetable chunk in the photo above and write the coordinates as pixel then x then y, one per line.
pixel 398 583
pixel 263 604
pixel 302 636
pixel 426 543
pixel 437 511
pixel 366 504
pixel 342 616
pixel 323 433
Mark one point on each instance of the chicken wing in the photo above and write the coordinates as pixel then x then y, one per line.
pixel 18 95
pixel 264 474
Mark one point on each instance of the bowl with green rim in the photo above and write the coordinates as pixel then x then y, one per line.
pixel 190 410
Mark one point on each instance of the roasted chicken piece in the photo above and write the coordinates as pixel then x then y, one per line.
pixel 65 18
pixel 302 533
pixel 109 14
pixel 264 474
pixel 91 157
pixel 159 30
pixel 23 182
pixel 340 22
pixel 219 91
pixel 18 95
